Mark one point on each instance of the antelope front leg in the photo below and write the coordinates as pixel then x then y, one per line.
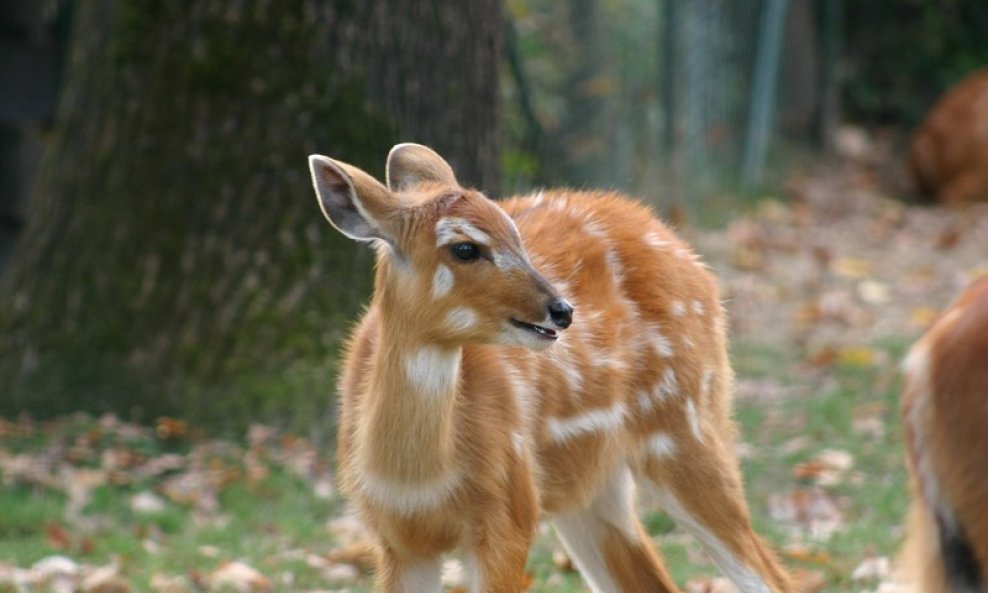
pixel 408 574
pixel 502 534
pixel 500 566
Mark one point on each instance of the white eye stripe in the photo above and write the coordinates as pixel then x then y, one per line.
pixel 507 260
pixel 450 229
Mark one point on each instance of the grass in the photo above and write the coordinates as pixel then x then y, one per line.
pixel 276 522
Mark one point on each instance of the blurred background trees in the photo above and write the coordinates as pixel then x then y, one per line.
pixel 171 258
pixel 174 259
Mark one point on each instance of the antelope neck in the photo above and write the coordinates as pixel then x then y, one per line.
pixel 408 432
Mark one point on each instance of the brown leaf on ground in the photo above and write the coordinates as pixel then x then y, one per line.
pixel 105 579
pixel 239 576
pixel 808 512
pixel 805 554
pixel 706 584
pixel 58 538
pixel 809 581
pixel 171 428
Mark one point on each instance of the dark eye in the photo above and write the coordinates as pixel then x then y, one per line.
pixel 465 251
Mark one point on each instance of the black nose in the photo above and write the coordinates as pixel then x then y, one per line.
pixel 561 313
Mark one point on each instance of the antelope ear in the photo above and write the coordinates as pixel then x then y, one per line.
pixel 410 164
pixel 352 201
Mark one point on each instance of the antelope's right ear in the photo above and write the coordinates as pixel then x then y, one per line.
pixel 353 201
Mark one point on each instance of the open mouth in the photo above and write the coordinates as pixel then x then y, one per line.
pixel 542 332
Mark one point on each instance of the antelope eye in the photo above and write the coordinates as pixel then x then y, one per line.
pixel 465 251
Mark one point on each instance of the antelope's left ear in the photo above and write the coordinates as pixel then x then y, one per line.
pixel 352 201
pixel 411 164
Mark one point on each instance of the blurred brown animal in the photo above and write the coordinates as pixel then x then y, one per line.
pixel 945 413
pixel 948 157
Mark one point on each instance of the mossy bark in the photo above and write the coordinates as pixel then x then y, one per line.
pixel 175 260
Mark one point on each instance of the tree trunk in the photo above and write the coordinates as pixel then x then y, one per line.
pixel 175 259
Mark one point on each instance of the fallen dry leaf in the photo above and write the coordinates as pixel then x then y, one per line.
pixel 858 356
pixel 710 585
pixel 804 554
pixel 169 584
pixel 874 292
pixel 239 576
pixel 105 579
pixel 809 581
pixel 923 317
pixel 853 268
pixel 872 568
pixel 808 512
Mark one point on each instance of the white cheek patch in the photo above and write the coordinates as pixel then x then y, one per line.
pixel 450 229
pixel 461 319
pixel 433 371
pixel 442 282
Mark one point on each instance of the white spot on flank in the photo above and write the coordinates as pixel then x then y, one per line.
pixel 601 420
pixel 655 241
pixel 614 263
pixel 408 499
pixel 518 440
pixel 594 229
pixel 688 342
pixel 461 319
pixel 678 308
pixel 694 420
pixel 668 386
pixel 645 401
pixel 661 445
pixel 662 344
pixel 433 371
pixel 697 307
pixel 451 229
pixel 705 379
pixel 442 282
pixel 744 577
